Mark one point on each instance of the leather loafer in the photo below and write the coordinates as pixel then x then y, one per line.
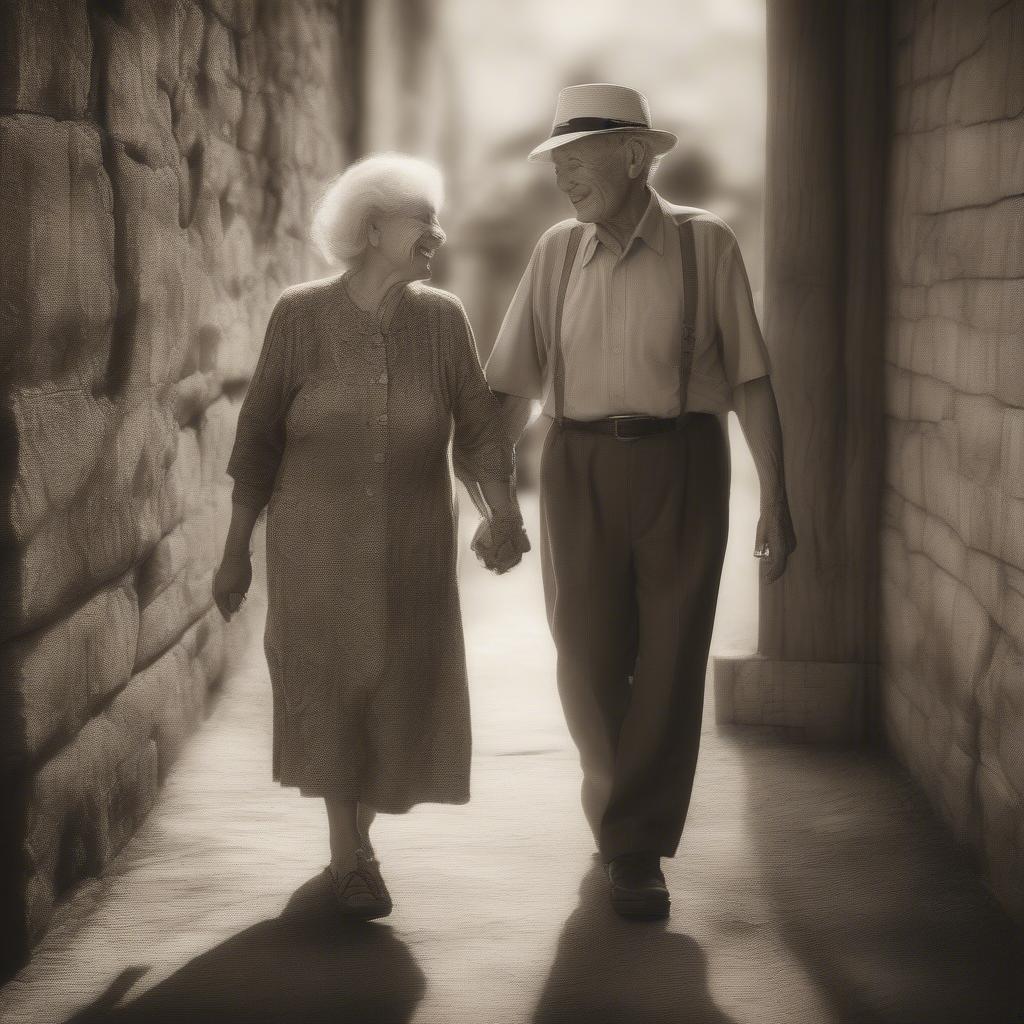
pixel 638 887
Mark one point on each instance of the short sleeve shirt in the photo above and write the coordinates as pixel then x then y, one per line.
pixel 622 320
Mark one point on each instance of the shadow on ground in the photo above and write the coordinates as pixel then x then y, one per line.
pixel 610 971
pixel 303 967
pixel 888 917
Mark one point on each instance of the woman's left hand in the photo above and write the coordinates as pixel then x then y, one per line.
pixel 501 542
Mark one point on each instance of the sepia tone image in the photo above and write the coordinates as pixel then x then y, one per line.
pixel 512 513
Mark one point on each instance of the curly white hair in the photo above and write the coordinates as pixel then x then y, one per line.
pixel 381 183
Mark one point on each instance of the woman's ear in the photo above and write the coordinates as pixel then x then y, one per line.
pixel 373 233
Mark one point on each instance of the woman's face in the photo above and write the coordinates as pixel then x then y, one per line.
pixel 408 240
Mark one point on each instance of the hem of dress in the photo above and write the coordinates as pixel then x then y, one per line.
pixel 375 801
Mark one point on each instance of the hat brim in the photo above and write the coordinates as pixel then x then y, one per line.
pixel 663 141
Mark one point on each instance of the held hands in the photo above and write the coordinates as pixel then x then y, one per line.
pixel 501 542
pixel 231 583
pixel 775 540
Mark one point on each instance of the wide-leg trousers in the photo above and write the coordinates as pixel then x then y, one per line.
pixel 633 536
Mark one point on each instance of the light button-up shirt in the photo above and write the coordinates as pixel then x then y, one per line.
pixel 622 321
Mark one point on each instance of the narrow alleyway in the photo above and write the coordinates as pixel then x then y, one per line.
pixel 812 885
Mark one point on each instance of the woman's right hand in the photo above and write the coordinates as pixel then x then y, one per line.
pixel 231 583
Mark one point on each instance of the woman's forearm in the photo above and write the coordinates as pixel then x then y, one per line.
pixel 500 497
pixel 243 519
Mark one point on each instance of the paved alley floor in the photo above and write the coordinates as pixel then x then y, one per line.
pixel 811 886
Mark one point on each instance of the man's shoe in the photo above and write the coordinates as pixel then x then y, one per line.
pixel 638 887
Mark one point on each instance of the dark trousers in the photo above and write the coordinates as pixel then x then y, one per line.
pixel 633 536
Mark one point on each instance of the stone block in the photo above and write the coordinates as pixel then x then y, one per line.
pixel 151 277
pixel 86 801
pixel 986 579
pixel 165 700
pixel 83 805
pixel 930 399
pixel 180 604
pixel 191 542
pixel 818 702
pixel 46 56
pixel 1009 544
pixel 1009 384
pixel 137 48
pixel 216 436
pixel 57 303
pixel 118 517
pixel 191 396
pixel 58 435
pixel 979 420
pixel 53 678
pixel 221 81
pixel 944 547
pixel 1011 455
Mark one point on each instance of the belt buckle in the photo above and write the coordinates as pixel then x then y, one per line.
pixel 623 437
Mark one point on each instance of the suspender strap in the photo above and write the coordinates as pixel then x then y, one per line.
pixel 688 254
pixel 559 358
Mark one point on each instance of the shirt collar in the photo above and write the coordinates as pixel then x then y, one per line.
pixel 650 229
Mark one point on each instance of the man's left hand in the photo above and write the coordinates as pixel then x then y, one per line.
pixel 776 534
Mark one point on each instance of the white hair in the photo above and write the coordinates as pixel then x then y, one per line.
pixel 379 184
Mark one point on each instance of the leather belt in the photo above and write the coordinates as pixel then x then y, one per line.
pixel 624 428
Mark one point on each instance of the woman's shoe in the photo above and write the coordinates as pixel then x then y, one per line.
pixel 361 893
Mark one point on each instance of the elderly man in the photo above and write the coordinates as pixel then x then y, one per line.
pixel 634 326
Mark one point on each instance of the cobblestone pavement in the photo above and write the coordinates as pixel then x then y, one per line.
pixel 811 885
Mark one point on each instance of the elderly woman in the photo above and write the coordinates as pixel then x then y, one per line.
pixel 361 384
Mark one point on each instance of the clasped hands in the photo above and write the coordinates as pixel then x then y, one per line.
pixel 500 542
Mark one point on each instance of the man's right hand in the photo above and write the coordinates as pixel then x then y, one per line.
pixel 231 583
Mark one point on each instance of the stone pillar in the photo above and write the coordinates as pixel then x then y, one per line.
pixel 824 324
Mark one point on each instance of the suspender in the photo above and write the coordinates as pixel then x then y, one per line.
pixel 688 257
pixel 559 369
pixel 688 254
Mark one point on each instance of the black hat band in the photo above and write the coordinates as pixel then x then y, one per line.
pixel 594 124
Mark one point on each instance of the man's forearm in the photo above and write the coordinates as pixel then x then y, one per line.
pixel 758 414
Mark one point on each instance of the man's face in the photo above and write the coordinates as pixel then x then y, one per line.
pixel 594 174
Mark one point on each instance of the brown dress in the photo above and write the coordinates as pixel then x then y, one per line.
pixel 345 431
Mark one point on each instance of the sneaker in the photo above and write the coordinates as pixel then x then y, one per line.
pixel 361 893
pixel 638 887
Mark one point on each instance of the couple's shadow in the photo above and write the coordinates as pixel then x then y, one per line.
pixel 610 971
pixel 307 966
pixel 303 967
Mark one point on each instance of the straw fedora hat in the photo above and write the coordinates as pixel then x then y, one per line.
pixel 597 109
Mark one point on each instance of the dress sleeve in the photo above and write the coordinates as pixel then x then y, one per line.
pixel 260 434
pixel 744 353
pixel 480 449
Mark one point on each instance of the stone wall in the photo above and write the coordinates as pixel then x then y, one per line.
pixel 158 158
pixel 953 536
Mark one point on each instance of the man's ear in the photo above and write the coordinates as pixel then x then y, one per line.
pixel 636 153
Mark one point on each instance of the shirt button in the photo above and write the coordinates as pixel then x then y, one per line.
pixel 383 378
pixel 379 457
pixel 369 492
pixel 382 418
